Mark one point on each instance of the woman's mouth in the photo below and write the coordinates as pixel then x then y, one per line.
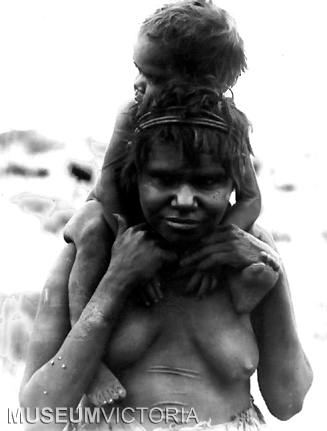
pixel 182 223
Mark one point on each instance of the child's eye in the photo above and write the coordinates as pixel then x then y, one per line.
pixel 155 79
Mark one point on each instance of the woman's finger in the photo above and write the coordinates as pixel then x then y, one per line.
pixel 213 284
pixel 204 253
pixel 157 288
pixel 226 233
pixel 144 298
pixel 150 292
pixel 205 285
pixel 227 258
pixel 194 282
pixel 122 224
pixel 169 256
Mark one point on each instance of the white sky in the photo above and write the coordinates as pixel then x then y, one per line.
pixel 67 66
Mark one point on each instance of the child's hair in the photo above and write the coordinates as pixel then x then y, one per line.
pixel 199 41
pixel 197 120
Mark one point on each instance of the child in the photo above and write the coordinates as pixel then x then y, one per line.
pixel 194 41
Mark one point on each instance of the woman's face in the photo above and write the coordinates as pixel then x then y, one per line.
pixel 182 202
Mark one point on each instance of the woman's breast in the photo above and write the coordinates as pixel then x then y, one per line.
pixel 224 339
pixel 132 337
pixel 209 334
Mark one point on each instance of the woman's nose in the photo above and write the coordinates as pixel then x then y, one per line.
pixel 140 83
pixel 184 197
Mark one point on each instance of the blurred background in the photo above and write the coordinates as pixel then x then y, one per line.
pixel 66 67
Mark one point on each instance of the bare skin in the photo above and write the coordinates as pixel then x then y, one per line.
pixel 90 265
pixel 151 75
pixel 182 368
pixel 92 237
pixel 181 349
pixel 247 287
pixel 202 355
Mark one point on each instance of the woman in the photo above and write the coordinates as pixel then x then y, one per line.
pixel 182 360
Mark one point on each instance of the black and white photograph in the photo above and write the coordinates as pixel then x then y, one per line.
pixel 163 235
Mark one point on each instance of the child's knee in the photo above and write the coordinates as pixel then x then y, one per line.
pixel 87 228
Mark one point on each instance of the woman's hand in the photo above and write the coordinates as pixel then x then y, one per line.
pixel 137 253
pixel 231 246
pixel 228 245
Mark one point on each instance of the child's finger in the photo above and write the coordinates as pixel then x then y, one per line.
pixel 272 262
pixel 269 260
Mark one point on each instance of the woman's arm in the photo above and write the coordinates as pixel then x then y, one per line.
pixel 75 352
pixel 62 361
pixel 284 372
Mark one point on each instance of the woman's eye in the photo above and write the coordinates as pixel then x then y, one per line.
pixel 166 179
pixel 210 182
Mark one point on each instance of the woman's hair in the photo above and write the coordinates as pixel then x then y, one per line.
pixel 196 120
pixel 198 40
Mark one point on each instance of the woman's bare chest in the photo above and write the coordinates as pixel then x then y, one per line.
pixel 180 327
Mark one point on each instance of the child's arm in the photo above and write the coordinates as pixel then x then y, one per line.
pixel 243 214
pixel 247 207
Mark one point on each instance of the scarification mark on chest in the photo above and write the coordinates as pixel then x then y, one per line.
pixel 173 370
pixel 170 403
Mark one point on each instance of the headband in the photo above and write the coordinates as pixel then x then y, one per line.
pixel 206 118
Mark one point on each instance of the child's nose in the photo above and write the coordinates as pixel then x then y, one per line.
pixel 140 83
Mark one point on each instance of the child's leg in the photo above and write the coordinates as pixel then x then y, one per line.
pixel 93 240
pixel 249 286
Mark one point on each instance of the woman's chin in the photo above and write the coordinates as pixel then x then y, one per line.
pixel 180 240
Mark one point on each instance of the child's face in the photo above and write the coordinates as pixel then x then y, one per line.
pixel 148 58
